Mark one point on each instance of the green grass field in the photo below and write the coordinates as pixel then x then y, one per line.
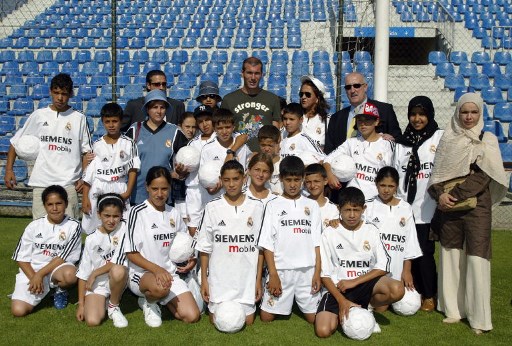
pixel 49 326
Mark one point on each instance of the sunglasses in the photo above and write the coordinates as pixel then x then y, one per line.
pixel 159 84
pixel 355 85
pixel 307 94
pixel 211 96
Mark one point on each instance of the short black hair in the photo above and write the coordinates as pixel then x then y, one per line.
pixel 157 172
pixel 62 81
pixel 111 109
pixel 221 115
pixel 232 165
pixel 291 166
pixel 293 108
pixel 316 168
pixel 387 172
pixel 269 132
pixel 184 116
pixel 153 73
pixel 351 195
pixel 252 61
pixel 57 189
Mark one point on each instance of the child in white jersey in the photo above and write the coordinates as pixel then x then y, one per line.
pixel 354 266
pixel 294 140
pixel 231 264
pixel 290 239
pixel 260 170
pixel 369 150
pixel 395 221
pixel 269 139
pixel 99 277
pixel 46 253
pixel 113 169
pixel 315 181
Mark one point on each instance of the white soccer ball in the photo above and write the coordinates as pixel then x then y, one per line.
pixel 359 324
pixel 309 157
pixel 209 173
pixel 409 304
pixel 27 147
pixel 344 167
pixel 189 157
pixel 229 317
pixel 181 248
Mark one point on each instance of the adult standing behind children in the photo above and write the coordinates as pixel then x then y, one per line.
pixel 155 80
pixel 209 94
pixel 252 106
pixel 465 268
pixel 64 137
pixel 341 124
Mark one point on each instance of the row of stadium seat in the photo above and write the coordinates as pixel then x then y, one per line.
pixel 479 58
pixel 469 69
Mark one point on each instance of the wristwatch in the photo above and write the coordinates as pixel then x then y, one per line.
pixel 232 152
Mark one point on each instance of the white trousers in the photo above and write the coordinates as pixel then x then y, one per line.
pixel 465 287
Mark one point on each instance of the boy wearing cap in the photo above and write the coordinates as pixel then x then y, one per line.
pixel 209 94
pixel 369 150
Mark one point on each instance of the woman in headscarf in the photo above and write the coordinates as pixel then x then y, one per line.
pixel 414 157
pixel 465 236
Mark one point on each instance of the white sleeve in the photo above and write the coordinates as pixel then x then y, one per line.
pixel 23 251
pixel 205 236
pixel 316 226
pixel 267 231
pixel 86 267
pixel 135 162
pixel 325 256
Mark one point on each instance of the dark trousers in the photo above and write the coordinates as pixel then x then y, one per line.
pixel 423 268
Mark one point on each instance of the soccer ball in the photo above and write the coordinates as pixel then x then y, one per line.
pixel 309 157
pixel 344 167
pixel 359 324
pixel 209 174
pixel 189 157
pixel 27 147
pixel 181 248
pixel 409 304
pixel 229 317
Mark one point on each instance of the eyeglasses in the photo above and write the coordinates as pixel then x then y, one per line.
pixel 159 84
pixel 355 85
pixel 210 96
pixel 306 93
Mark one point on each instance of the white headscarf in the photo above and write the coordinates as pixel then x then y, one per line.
pixel 459 148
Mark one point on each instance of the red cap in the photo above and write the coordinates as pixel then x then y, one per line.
pixel 367 109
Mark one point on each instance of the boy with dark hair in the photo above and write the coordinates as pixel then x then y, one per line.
pixel 290 240
pixel 269 138
pixel 64 137
pixel 294 140
pixel 315 181
pixel 354 266
pixel 231 264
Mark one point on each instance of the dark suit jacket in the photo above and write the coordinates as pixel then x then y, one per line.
pixel 337 129
pixel 133 112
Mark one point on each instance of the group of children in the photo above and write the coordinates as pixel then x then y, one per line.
pixel 266 233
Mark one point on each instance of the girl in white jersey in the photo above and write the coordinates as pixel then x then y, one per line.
pixel 152 226
pixel 46 253
pixel 260 170
pixel 113 169
pixel 99 278
pixel 414 160
pixel 395 221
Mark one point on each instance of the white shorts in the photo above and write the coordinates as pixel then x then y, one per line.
pixel 249 309
pixel 101 286
pixel 194 205
pixel 178 286
pixel 22 293
pixel 295 283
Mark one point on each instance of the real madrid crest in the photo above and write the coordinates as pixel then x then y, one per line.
pixel 292 146
pixel 62 235
pixel 122 154
pixel 172 222
pixel 366 246
pixel 115 241
pixel 68 126
pixel 250 222
pixel 379 157
pixel 318 130
pixel 433 148
pixel 402 222
pixel 306 211
pixel 168 143
pixel 270 301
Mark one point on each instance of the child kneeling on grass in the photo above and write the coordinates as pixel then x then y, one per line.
pixel 46 253
pixel 354 266
pixel 99 278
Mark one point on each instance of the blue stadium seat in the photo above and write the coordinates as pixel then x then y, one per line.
pixel 199 56
pixel 90 68
pixel 83 56
pixel 495 127
pixel 150 66
pixel 13 79
pixel 215 67
pixel 44 56
pixel 232 78
pixel 38 43
pixel 219 56
pixel 5 143
pixel 503 112
pixel 99 80
pixel 93 108
pixel 22 107
pixel 131 68
pixel 189 42
pixel 102 56
pixel 87 92
pixel 209 76
pixel 35 79
pixel 7 125
pixel 6 42
pixel 435 57
pixel 489 43
pixel 468 69
pixel 360 56
pixel 20 171
pixel 63 56
pixel 502 57
pixel 172 42
pixel 503 81
pixel 40 91
pixel 187 80
pixel 17 91
pixel 480 58
pixel 294 41
pixel 179 93
pixel 491 69
pixel 23 56
pixel 458 57
pixel 106 92
pixel 86 43
pixel 137 43
pixel 241 42
pixel 10 55
pixel 259 43
pixel 453 81
pixel 492 95
pixel 180 56
pixel 132 91
pixel 20 43
pixel 29 67
pixel 262 55
pixel 44 103
pixel 194 68
pixel 479 81
pixel 160 56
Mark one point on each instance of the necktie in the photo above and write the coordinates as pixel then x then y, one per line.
pixel 351 132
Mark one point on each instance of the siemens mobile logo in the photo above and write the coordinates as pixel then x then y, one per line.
pixel 166 237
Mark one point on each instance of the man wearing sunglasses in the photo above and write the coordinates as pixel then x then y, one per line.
pixel 341 125
pixel 155 80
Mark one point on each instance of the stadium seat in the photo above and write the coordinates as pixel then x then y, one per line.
pixel 172 42
pixel 5 143
pixel 294 41
pixel 99 80
pixel 220 56
pixel 93 108
pixel 17 91
pixel 495 127
pixel 23 56
pixel 360 56
pixel 20 43
pixel 132 91
pixel 199 56
pixel 83 56
pixel 215 67
pixel 7 124
pixel 86 43
pixel 106 92
pixel 209 76
pixel 502 58
pixel 102 56
pixel 44 56
pixel 182 94
pixel 194 68
pixel 503 81
pixel 22 107
pixel 262 55
pixel 492 70
pixel 20 171
pixel 468 69
pixel 492 95
pixel 40 91
pixel 241 42
pixel 503 112
pixel 160 56
pixel 480 58
pixel 478 82
pixel 29 67
pixel 87 92
pixel 458 57
pixel 150 66
pixel 6 42
pixel 35 79
pixel 434 57
pixel 453 81
pixel 37 43
pixel 90 68
pixel 489 43
pixel 63 56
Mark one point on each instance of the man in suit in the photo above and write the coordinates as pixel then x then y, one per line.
pixel 155 79
pixel 342 123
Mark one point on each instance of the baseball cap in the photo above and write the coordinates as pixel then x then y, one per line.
pixel 319 85
pixel 367 110
pixel 203 110
pixel 208 88
pixel 154 95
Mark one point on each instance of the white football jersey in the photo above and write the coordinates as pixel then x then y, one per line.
pixel 423 206
pixel 100 249
pixel 397 232
pixel 274 182
pixel 291 229
pixel 369 158
pixel 270 195
pixel 315 128
pixel 64 138
pixel 329 212
pixel 229 235
pixel 295 145
pixel 214 151
pixel 348 254
pixel 151 233
pixel 42 241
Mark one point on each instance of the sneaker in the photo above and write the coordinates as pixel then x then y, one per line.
pixel 152 314
pixel 117 317
pixel 376 328
pixel 60 299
